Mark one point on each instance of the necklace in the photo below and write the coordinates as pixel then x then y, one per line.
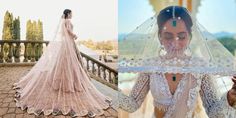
pixel 174 77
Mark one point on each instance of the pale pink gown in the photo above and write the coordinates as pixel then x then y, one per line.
pixel 59 83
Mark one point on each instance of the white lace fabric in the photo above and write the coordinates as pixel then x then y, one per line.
pixel 187 102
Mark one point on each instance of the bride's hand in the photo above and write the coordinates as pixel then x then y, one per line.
pixel 75 37
pixel 232 94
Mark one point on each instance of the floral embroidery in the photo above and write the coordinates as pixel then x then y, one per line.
pixel 215 106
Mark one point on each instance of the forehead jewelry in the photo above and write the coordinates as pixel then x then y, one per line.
pixel 174 23
pixel 174 77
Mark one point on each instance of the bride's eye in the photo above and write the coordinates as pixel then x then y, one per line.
pixel 182 35
pixel 168 36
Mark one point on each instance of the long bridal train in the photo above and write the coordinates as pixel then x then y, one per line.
pixel 59 83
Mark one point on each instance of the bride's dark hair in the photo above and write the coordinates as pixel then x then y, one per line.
pixel 179 11
pixel 66 12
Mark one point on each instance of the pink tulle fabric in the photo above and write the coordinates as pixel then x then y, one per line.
pixel 59 82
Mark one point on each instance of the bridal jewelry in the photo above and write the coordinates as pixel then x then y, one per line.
pixel 174 23
pixel 174 77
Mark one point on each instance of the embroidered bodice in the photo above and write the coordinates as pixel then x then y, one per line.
pixel 188 90
pixel 159 88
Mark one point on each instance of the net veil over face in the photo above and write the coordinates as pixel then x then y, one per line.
pixel 180 63
pixel 147 50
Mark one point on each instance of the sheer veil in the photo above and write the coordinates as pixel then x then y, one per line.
pixel 140 51
pixel 59 83
pixel 52 50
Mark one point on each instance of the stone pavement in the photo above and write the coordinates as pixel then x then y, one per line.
pixel 10 75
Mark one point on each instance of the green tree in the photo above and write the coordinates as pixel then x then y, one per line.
pixel 29 37
pixel 16 28
pixel 29 31
pixel 34 32
pixel 7 26
pixel 39 33
pixel 7 32
pixel 40 30
pixel 16 36
pixel 108 45
pixel 229 43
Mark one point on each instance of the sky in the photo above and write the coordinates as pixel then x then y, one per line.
pixel 214 15
pixel 92 19
pixel 131 13
pixel 218 15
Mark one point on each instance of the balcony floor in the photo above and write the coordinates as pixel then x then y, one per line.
pixel 10 75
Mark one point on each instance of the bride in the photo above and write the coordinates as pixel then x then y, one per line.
pixel 178 63
pixel 59 82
